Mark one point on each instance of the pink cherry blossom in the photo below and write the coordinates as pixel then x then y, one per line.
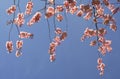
pixel 29 8
pixel 11 9
pixel 19 44
pixel 19 21
pixel 18 53
pixel 9 46
pixel 59 17
pixel 35 18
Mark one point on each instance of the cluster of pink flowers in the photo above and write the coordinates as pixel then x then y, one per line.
pixel 35 18
pixel 19 21
pixel 100 66
pixel 70 6
pixel 91 32
pixel 25 35
pixel 19 45
pixel 56 42
pixel 9 46
pixel 59 17
pixel 105 46
pixel 88 33
pixel 86 9
pixel 11 9
pixel 29 8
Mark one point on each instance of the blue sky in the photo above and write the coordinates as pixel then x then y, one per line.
pixel 74 59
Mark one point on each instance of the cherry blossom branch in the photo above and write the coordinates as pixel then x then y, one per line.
pixel 96 26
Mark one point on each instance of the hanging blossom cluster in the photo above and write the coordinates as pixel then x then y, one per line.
pixel 100 66
pixel 11 9
pixel 94 11
pixel 19 44
pixel 19 21
pixel 29 8
pixel 60 36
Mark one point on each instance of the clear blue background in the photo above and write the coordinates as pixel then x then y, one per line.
pixel 74 60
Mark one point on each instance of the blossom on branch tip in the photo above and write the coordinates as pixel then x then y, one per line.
pixel 58 31
pixel 25 35
pixel 29 8
pixel 100 66
pixel 59 17
pixel 52 58
pixel 36 18
pixel 18 53
pixel 19 44
pixel 11 9
pixel 9 46
pixel 113 27
pixel 59 8
pixel 63 36
pixel 19 21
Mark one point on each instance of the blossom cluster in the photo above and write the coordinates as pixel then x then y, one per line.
pixel 29 8
pixel 19 21
pixel 19 44
pixel 24 34
pixel 35 18
pixel 60 36
pixel 100 66
pixel 11 9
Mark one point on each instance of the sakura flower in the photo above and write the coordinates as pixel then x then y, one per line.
pixel 111 7
pixel 100 11
pixel 102 32
pixel 57 40
pixel 11 9
pixel 73 9
pixel 100 66
pixel 52 48
pixel 59 8
pixel 89 32
pixel 115 10
pixel 107 44
pixel 79 13
pixel 63 36
pixel 19 44
pixel 106 21
pixel 25 35
pixel 52 57
pixel 101 39
pixel 20 19
pixel 113 27
pixel 102 50
pixel 85 8
pixel 18 53
pixel 35 18
pixel 29 8
pixel 9 46
pixel 106 2
pixel 69 4
pixel 88 16
pixel 58 31
pixel 95 2
pixel 59 17
pixel 49 12
pixel 99 60
pixel 93 43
